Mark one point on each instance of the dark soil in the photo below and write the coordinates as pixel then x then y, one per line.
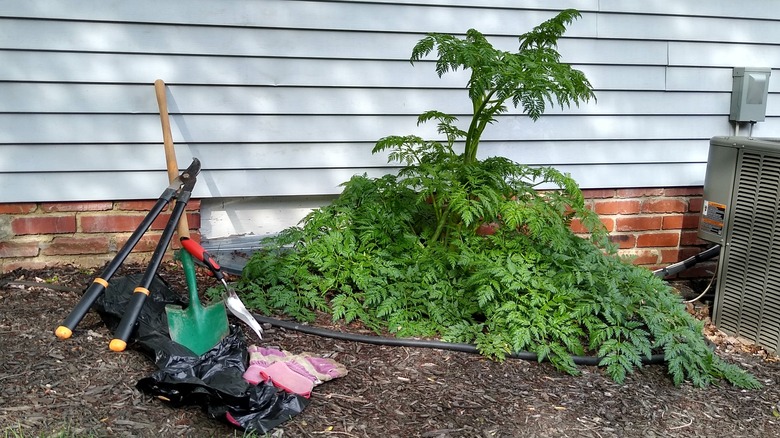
pixel 48 386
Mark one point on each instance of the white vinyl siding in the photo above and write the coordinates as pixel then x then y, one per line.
pixel 282 100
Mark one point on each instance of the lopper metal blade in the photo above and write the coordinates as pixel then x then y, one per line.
pixel 237 308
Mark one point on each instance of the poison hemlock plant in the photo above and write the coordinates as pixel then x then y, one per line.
pixel 470 250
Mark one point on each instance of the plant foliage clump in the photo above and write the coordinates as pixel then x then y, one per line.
pixel 470 250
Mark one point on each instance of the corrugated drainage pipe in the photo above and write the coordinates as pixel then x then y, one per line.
pixel 687 263
pixel 420 343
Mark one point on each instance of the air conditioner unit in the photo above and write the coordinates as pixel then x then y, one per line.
pixel 740 212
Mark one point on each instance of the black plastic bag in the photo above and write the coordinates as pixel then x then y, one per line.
pixel 214 380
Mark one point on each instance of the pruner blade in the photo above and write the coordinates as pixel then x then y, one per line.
pixel 189 176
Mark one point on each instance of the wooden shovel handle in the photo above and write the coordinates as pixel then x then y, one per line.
pixel 183 228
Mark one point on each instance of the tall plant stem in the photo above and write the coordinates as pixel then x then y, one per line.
pixel 475 129
pixel 442 222
pixel 436 210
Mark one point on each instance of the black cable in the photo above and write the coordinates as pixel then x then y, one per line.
pixel 421 343
pixel 379 340
pixel 469 348
pixel 687 263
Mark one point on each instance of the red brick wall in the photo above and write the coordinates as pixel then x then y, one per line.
pixel 656 226
pixel 87 234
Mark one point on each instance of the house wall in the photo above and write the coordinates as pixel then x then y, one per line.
pixel 282 100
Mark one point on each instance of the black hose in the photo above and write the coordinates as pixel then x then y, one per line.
pixel 687 263
pixel 378 340
pixel 420 343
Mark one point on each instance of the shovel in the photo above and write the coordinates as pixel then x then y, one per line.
pixel 196 327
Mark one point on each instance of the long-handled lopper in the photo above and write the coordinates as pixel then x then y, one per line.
pixel 127 324
pixel 232 301
pixel 179 189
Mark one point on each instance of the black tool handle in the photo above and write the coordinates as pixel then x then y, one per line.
pixel 100 283
pixel 127 324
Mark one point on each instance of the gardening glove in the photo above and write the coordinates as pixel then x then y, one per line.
pixel 296 373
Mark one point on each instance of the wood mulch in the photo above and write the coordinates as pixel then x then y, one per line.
pixel 48 386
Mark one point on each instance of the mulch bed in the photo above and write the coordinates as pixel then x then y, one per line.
pixel 48 386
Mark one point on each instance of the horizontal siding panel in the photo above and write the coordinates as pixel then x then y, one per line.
pixel 122 68
pixel 641 103
pixel 622 77
pixel 283 43
pixel 82 186
pixel 41 97
pixel 298 15
pixel 91 128
pixel 219 156
pixel 678 28
pixel 770 128
pixel 763 9
pixel 203 40
pixel 700 79
pixel 581 5
pixel 281 182
pixel 723 55
pixel 145 69
pixel 606 127
pixel 88 157
pixel 553 153
pixel 711 80
pixel 137 99
pixel 636 175
pixel 612 52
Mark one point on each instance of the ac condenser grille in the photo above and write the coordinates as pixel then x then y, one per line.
pixel 749 295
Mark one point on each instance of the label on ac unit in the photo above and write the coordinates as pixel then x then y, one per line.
pixel 712 216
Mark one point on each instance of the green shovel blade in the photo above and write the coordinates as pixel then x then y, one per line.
pixel 197 327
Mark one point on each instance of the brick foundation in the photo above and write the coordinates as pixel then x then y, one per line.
pixel 86 234
pixel 656 227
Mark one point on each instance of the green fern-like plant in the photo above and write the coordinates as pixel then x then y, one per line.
pixel 469 250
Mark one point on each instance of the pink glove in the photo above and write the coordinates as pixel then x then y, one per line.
pixel 284 378
pixel 295 373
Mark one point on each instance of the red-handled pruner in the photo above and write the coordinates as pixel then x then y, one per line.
pixel 197 251
pixel 232 301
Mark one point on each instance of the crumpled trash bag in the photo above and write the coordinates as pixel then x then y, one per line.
pixel 214 380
